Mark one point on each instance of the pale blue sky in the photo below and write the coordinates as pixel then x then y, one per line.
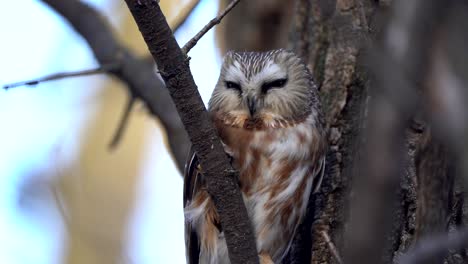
pixel 45 120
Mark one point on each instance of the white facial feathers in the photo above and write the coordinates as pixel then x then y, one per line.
pixel 274 83
pixel 270 72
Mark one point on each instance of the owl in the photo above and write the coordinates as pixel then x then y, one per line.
pixel 266 110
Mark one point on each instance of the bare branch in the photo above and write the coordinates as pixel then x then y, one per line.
pixel 192 42
pixel 183 14
pixel 332 247
pixel 107 68
pixel 123 123
pixel 136 72
pixel 220 177
pixel 60 204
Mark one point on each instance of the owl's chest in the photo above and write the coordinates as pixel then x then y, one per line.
pixel 268 157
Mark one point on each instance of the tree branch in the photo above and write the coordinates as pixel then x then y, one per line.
pixel 108 68
pixel 332 247
pixel 221 178
pixel 123 123
pixel 192 42
pixel 137 73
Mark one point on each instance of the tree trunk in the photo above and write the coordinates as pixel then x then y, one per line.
pixel 340 40
pixel 339 29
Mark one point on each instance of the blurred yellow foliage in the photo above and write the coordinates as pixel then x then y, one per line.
pixel 172 8
pixel 99 192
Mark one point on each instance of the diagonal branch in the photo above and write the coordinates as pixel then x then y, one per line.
pixel 108 68
pixel 332 247
pixel 123 123
pixel 221 178
pixel 192 42
pixel 136 72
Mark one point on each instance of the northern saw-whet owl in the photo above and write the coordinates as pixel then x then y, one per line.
pixel 267 113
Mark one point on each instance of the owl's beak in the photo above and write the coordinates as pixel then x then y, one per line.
pixel 252 106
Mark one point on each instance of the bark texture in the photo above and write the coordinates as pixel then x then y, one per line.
pixel 338 32
pixel 435 189
pixel 397 175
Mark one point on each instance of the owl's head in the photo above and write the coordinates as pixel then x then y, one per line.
pixel 273 85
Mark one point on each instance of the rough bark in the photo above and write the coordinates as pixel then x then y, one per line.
pixel 404 224
pixel 340 32
pixel 435 189
pixel 336 43
pixel 405 67
pixel 221 178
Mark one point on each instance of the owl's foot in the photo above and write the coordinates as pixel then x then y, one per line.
pixel 265 258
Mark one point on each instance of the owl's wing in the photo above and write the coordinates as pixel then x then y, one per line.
pixel 192 183
pixel 318 174
pixel 318 177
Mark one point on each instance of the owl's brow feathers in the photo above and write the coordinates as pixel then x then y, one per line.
pixel 252 63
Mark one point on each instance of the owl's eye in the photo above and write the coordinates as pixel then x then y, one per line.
pixel 274 84
pixel 233 85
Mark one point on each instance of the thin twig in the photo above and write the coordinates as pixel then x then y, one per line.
pixel 183 14
pixel 123 123
pixel 60 205
pixel 192 42
pixel 106 68
pixel 332 247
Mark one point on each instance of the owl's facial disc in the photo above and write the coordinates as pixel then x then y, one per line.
pixel 253 87
pixel 263 86
pixel 260 86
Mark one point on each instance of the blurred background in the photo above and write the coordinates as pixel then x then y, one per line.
pixel 64 196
